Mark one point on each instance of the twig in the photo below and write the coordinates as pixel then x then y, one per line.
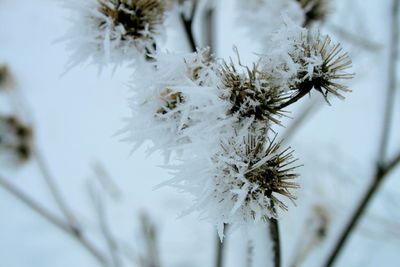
pixel 46 214
pixel 188 23
pixel 209 34
pixel 392 164
pixel 55 192
pixel 382 169
pixel 100 210
pixel 391 90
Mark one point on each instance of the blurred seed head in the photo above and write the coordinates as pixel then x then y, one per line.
pixel 315 10
pixel 15 139
pixel 6 79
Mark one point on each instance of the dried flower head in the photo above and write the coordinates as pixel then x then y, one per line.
pixel 247 177
pixel 139 18
pixel 261 172
pixel 15 139
pixel 250 93
pixel 321 65
pixel 315 10
pixel 176 101
pixel 115 30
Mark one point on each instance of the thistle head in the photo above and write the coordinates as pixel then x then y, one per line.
pixel 254 176
pixel 115 31
pixel 271 170
pixel 139 18
pixel 322 64
pixel 250 93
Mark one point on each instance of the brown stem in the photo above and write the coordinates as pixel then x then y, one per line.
pixel 293 99
pixel 274 232
pixel 276 242
pixel 49 216
pixel 382 169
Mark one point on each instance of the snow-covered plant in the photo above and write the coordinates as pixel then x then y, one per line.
pixel 218 119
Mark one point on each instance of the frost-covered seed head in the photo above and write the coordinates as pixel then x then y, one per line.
pixel 315 10
pixel 250 93
pixel 15 138
pixel 114 31
pixel 139 18
pixel 274 176
pixel 322 63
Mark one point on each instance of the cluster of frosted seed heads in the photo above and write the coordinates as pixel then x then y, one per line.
pixel 15 138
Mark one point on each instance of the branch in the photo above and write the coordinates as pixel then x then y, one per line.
pixel 382 169
pixel 392 164
pixel 209 34
pixel 188 23
pixel 55 192
pixel 46 214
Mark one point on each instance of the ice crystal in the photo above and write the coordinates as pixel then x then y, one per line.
pixel 176 101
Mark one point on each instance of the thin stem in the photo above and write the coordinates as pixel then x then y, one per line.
pixel 391 89
pixel 276 247
pixel 292 100
pixel 274 234
pixel 392 163
pixel 50 217
pixel 219 258
pixel 55 192
pixel 104 227
pixel 188 23
pixel 382 169
pixel 209 24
